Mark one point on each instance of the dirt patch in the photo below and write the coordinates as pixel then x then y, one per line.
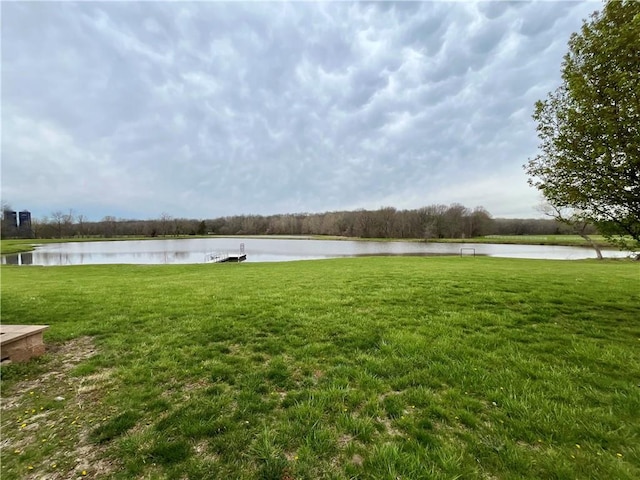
pixel 47 419
pixel 389 428
pixel 344 440
pixel 291 456
pixel 63 358
pixel 385 395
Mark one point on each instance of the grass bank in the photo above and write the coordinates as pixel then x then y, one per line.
pixel 20 245
pixel 364 368
pixel 559 240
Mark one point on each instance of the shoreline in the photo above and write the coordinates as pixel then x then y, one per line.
pixel 14 246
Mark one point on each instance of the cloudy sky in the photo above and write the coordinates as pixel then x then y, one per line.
pixel 207 109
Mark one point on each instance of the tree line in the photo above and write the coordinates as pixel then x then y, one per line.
pixel 430 222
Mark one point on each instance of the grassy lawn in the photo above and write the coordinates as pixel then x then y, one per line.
pixel 368 368
pixel 19 245
pixel 566 240
pixel 8 247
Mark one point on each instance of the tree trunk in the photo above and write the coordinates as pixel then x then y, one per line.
pixel 593 244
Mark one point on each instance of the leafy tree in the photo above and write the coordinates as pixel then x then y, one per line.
pixel 589 128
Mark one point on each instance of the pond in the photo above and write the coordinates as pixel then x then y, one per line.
pixel 198 250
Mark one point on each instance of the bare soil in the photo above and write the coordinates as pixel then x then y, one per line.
pixel 55 411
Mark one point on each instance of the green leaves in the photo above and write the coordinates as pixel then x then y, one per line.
pixel 589 128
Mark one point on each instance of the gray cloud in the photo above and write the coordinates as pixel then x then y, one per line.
pixel 208 109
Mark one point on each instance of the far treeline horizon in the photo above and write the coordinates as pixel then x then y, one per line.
pixel 430 222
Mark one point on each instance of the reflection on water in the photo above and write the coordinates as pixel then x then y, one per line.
pixel 196 250
pixel 19 259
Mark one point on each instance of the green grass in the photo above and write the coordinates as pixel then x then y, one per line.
pixel 369 368
pixel 19 245
pixel 563 240
pixel 8 247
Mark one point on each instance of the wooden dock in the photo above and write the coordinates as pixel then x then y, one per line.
pixel 236 257
pixel 19 343
pixel 225 257
pixel 239 256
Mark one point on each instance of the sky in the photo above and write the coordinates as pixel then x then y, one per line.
pixel 209 109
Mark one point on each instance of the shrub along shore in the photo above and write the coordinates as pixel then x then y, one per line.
pixel 381 367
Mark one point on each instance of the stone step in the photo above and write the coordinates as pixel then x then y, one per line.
pixel 19 343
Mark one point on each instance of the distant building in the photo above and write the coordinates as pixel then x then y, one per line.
pixel 25 229
pixel 25 219
pixel 10 219
pixel 9 227
pixel 16 224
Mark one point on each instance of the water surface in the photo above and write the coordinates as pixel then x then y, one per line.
pixel 196 250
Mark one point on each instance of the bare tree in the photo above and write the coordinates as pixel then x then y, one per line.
pixel 67 223
pixel 109 226
pixel 81 223
pixel 57 220
pixel 574 220
pixel 165 220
